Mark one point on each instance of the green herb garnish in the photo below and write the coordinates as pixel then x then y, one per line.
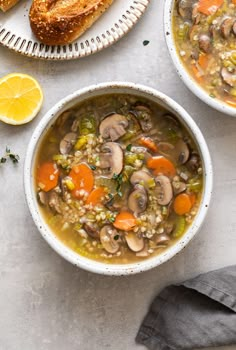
pixel 92 167
pixel 9 155
pixel 128 148
pixel 119 180
pixel 146 42
pixel 116 237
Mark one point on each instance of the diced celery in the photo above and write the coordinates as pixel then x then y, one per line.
pixel 69 184
pixel 179 227
pixel 151 183
pixel 57 157
pixel 87 125
pixel 130 158
pixel 81 142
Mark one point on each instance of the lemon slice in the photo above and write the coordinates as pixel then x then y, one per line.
pixel 21 98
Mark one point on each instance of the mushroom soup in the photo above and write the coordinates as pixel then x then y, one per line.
pixel 205 38
pixel 118 178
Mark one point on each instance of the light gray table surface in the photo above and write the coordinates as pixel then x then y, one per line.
pixel 48 304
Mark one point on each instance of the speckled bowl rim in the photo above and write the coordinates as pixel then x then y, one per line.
pixel 81 47
pixel 189 81
pixel 46 232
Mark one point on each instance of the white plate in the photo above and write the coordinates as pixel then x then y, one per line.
pixel 15 32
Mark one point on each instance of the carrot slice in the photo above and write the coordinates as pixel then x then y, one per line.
pixel 125 221
pixel 231 103
pixel 196 73
pixel 149 143
pixel 203 60
pixel 95 197
pixel 208 7
pixel 47 176
pixel 182 204
pixel 161 165
pixel 82 177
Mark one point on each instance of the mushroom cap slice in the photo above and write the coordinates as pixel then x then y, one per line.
pixel 67 142
pixel 135 243
pixel 107 235
pixel 54 202
pixel 162 239
pixel 204 42
pixel 228 77
pixel 185 8
pixel 137 201
pixel 143 113
pixel 182 152
pixel 43 197
pixel 115 162
pixel 179 187
pixel 164 189
pixel 234 27
pixel 92 230
pixel 113 126
pixel 141 177
pixel 226 27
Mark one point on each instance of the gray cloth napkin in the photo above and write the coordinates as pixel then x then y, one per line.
pixel 198 313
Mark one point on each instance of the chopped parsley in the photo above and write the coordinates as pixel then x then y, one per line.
pixel 146 42
pixel 128 148
pixel 9 155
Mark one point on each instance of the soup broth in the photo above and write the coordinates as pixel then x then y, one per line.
pixel 118 178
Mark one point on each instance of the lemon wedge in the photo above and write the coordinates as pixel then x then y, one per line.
pixel 21 98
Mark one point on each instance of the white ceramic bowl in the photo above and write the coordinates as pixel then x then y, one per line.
pixel 189 81
pixel 49 119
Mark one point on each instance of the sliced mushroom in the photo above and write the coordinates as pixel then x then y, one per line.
pixel 165 148
pixel 137 201
pixel 141 177
pixel 196 16
pixel 135 243
pixel 67 142
pixel 185 8
pixel 107 235
pixel 226 27
pixel 179 187
pixel 193 162
pixel 144 252
pixel 234 28
pixel 75 125
pixel 113 126
pixel 62 187
pixel 54 202
pixel 204 42
pixel 144 116
pixel 112 158
pixel 162 239
pixel 169 227
pixel 182 152
pixel 92 230
pixel 228 77
pixel 164 190
pixel 43 197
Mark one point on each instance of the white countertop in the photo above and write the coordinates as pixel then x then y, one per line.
pixel 48 304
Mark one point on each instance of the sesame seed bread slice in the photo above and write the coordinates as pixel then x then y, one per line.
pixel 5 5
pixel 59 22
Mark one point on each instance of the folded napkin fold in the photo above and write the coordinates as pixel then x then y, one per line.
pixel 198 313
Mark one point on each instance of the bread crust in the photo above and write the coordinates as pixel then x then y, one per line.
pixel 59 22
pixel 5 5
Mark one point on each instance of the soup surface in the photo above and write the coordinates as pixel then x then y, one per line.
pixel 205 37
pixel 118 178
